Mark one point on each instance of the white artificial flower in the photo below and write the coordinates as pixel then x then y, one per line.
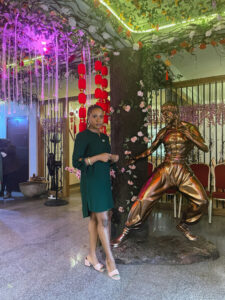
pixel 191 34
pixel 92 29
pixel 72 22
pixel 136 47
pixel 208 33
pixel 105 35
pixel 117 53
pixel 171 40
pixel 155 38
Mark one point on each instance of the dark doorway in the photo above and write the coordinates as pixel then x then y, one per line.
pixel 18 134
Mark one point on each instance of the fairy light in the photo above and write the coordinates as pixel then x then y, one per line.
pixel 151 30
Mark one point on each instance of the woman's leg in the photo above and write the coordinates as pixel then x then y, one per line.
pixel 103 233
pixel 109 222
pixel 93 236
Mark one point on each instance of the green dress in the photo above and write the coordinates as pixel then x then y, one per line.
pixel 95 181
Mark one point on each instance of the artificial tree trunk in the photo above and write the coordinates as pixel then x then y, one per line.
pixel 125 76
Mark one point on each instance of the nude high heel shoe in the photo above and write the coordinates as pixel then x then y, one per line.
pixel 98 267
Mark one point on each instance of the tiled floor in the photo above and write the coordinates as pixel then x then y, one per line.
pixel 42 251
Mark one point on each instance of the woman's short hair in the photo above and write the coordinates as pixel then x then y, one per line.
pixel 92 107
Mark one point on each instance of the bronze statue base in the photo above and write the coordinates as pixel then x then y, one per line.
pixel 165 250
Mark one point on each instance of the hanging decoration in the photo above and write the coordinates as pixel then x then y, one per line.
pixel 82 96
pixel 33 55
pixel 98 91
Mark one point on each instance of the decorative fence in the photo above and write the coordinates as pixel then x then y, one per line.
pixel 202 104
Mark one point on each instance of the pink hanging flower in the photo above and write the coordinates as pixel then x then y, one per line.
pixel 140 133
pixel 70 169
pixel 133 139
pixel 113 173
pixel 127 152
pixel 78 174
pixel 140 93
pixel 122 170
pixel 132 167
pixel 112 110
pixel 130 182
pixel 142 104
pixel 121 209
pixel 145 109
pixel 146 140
pixel 127 108
pixel 149 107
pixel 134 198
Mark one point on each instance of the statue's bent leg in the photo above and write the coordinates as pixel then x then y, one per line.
pixel 141 209
pixel 198 200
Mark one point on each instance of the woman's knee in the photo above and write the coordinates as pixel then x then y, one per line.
pixel 93 217
pixel 103 219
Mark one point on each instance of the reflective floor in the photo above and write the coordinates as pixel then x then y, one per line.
pixel 42 251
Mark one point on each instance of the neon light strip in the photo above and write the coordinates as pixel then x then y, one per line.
pixel 151 30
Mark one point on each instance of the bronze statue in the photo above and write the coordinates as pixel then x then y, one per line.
pixel 179 138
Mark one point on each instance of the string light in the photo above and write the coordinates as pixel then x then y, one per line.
pixel 151 30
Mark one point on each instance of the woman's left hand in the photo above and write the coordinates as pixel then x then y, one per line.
pixel 114 157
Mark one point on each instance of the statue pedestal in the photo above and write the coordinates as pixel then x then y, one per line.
pixel 165 250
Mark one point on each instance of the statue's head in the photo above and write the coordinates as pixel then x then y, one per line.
pixel 170 112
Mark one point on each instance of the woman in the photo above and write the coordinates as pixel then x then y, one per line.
pixel 92 156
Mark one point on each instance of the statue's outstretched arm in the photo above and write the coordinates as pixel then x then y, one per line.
pixel 155 144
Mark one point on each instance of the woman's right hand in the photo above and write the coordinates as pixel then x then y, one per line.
pixel 105 157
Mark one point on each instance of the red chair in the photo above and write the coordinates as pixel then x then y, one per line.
pixel 219 183
pixel 202 172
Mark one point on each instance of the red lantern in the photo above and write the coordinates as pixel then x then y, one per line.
pixel 104 71
pixel 82 98
pixel 82 112
pixel 75 129
pixel 82 83
pixel 103 106
pixel 103 129
pixel 98 79
pixel 71 113
pixel 81 69
pixel 21 63
pixel 104 95
pixel 82 125
pixel 104 83
pixel 106 119
pixel 98 93
pixel 108 106
pixel 98 65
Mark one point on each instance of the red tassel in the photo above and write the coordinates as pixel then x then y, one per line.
pixel 167 75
